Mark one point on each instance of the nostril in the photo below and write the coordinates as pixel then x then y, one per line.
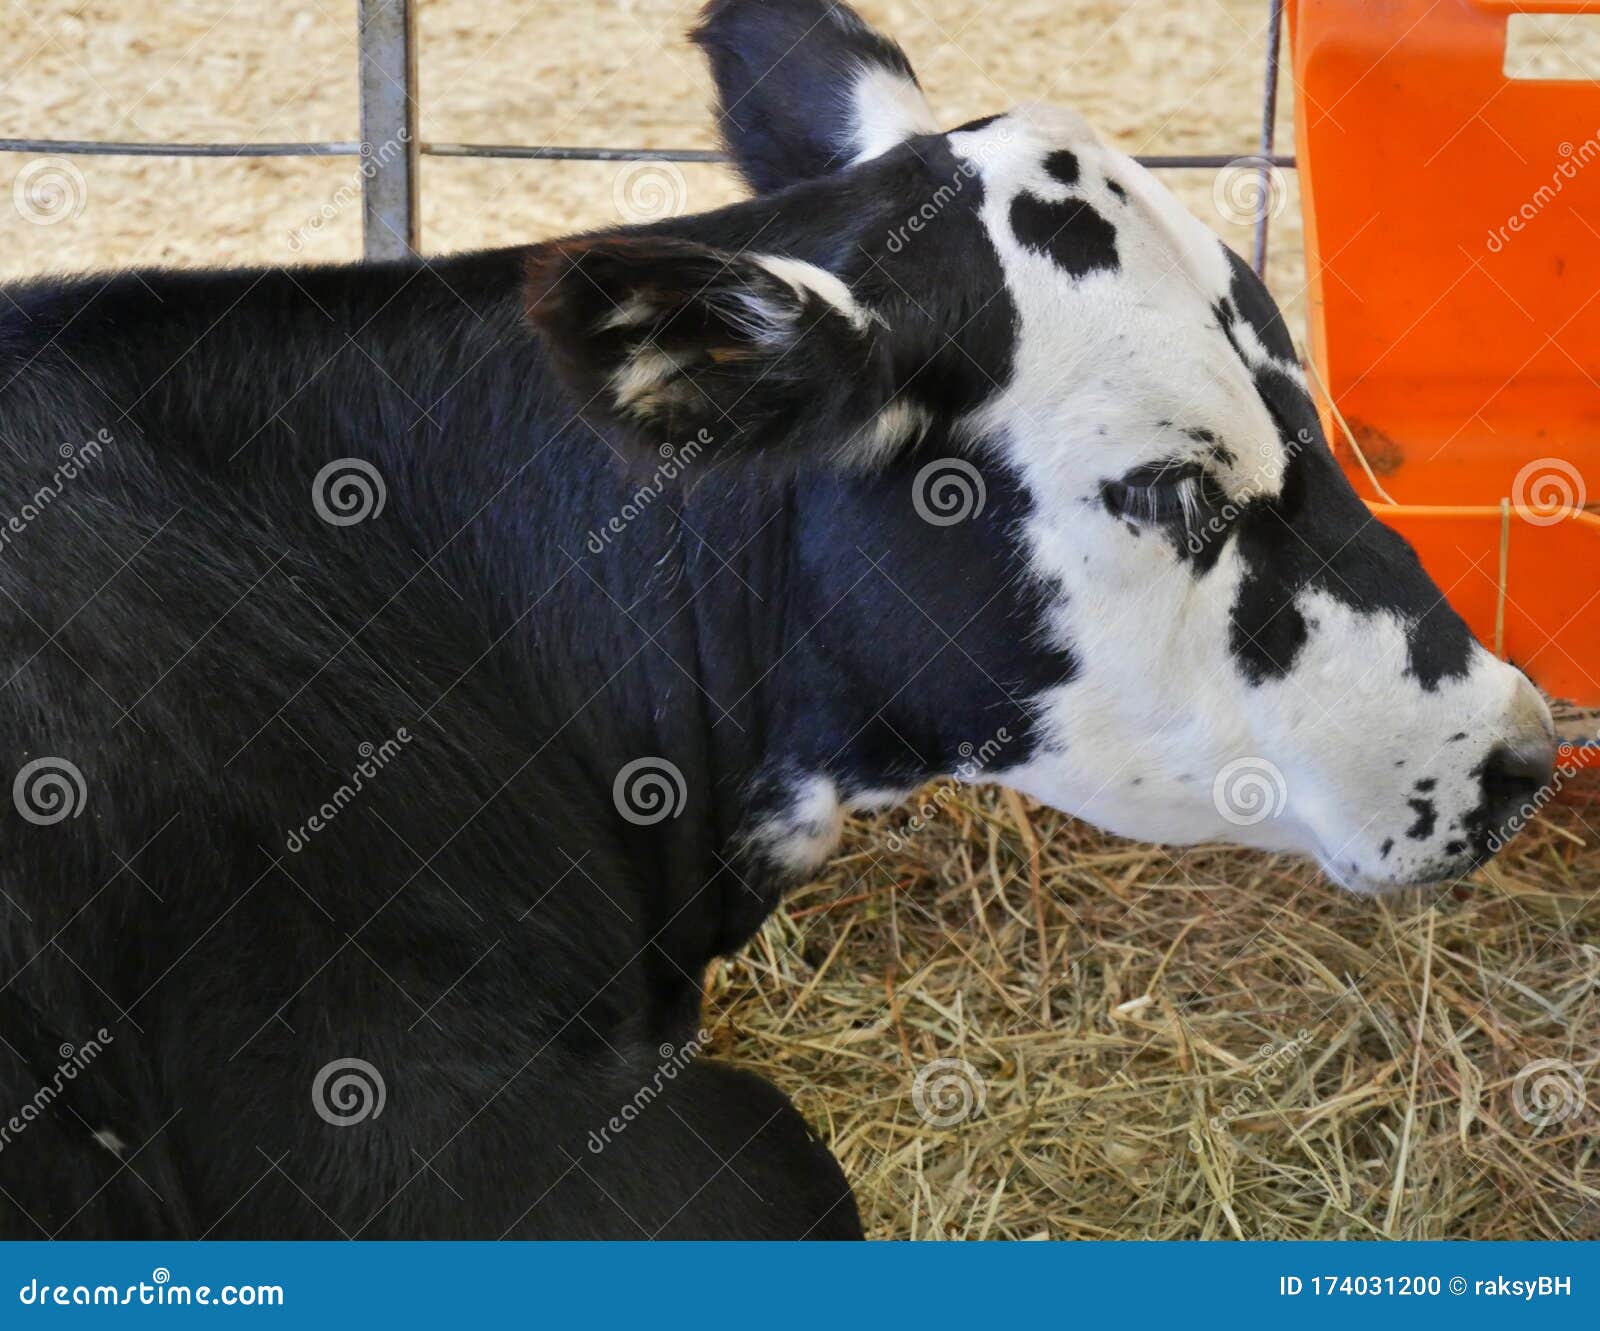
pixel 1515 775
pixel 1512 776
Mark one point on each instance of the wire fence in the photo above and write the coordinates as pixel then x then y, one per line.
pixel 391 176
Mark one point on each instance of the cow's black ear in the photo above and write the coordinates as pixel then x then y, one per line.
pixel 669 343
pixel 805 87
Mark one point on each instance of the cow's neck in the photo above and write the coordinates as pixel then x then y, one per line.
pixel 709 653
pixel 784 742
pixel 830 651
pixel 793 650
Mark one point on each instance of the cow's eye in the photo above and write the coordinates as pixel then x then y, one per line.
pixel 1164 494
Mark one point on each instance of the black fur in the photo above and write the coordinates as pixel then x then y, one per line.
pixel 480 924
pixel 785 71
pixel 1071 232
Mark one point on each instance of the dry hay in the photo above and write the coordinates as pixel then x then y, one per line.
pixel 1209 1043
pixel 1139 1057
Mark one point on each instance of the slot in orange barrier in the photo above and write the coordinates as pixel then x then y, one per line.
pixel 1453 249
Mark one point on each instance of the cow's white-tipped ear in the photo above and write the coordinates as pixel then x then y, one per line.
pixel 806 87
pixel 673 344
pixel 889 109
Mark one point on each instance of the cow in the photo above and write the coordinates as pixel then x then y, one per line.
pixel 416 673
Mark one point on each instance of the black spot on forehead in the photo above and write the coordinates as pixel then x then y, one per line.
pixel 1427 819
pixel 1062 167
pixel 1117 190
pixel 1071 233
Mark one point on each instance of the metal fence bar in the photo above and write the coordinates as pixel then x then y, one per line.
pixel 393 151
pixel 1179 163
pixel 104 148
pixel 97 147
pixel 1269 132
pixel 1169 162
pixel 511 150
pixel 391 218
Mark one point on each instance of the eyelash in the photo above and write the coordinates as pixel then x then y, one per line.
pixel 1176 495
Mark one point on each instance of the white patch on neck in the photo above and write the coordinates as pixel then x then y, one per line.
pixel 808 279
pixel 801 835
pixel 890 108
pixel 876 800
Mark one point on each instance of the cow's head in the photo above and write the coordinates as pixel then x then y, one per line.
pixel 1068 433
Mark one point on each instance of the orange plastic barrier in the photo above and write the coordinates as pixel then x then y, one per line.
pixel 1453 250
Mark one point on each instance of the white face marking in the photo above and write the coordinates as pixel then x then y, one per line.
pixel 1129 365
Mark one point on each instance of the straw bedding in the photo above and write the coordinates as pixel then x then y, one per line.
pixel 1006 1024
